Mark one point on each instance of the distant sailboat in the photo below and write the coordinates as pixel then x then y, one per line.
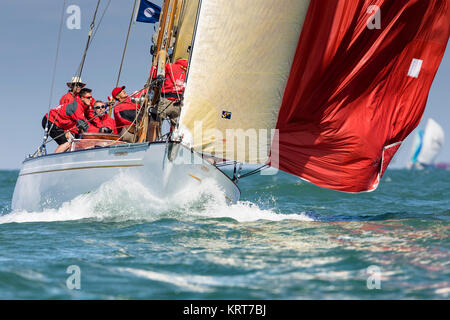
pixel 427 145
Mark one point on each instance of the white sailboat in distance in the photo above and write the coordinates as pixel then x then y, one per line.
pixel 427 145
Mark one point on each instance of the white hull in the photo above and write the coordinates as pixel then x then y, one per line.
pixel 165 168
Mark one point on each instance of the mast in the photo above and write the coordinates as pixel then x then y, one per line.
pixel 149 130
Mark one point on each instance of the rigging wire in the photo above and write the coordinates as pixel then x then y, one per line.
pixel 254 171
pixel 54 75
pixel 95 32
pixel 126 43
pixel 83 59
pixel 57 54
pixel 101 19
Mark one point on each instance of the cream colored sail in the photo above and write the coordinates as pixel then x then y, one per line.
pixel 240 63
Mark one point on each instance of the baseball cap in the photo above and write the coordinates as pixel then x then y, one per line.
pixel 116 91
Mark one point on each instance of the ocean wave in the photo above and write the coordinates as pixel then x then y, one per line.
pixel 125 198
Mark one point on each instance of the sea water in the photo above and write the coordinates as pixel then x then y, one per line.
pixel 285 239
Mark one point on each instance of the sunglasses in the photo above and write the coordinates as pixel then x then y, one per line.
pixel 100 107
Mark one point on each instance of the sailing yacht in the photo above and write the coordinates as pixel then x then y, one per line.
pixel 324 90
pixel 427 145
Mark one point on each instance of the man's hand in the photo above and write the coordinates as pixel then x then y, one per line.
pixel 105 130
pixel 110 101
pixel 82 126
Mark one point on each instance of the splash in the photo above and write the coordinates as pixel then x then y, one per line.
pixel 125 198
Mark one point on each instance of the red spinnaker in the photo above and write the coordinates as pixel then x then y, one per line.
pixel 355 93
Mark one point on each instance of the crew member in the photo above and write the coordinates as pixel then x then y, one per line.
pixel 172 90
pixel 107 124
pixel 67 119
pixel 125 113
pixel 76 85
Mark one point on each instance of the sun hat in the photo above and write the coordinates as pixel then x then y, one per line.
pixel 74 81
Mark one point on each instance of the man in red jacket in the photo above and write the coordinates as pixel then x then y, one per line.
pixel 172 91
pixel 125 113
pixel 75 86
pixel 107 124
pixel 66 119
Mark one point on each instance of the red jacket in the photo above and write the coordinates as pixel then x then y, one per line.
pixel 68 116
pixel 88 111
pixel 67 98
pixel 173 87
pixel 104 121
pixel 125 112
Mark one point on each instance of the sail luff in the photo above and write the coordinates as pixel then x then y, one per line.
pixel 185 28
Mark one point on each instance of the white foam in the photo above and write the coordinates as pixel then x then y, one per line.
pixel 125 198
pixel 246 211
pixel 190 282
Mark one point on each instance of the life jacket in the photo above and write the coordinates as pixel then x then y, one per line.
pixel 89 114
pixel 104 121
pixel 125 112
pixel 67 98
pixel 68 116
pixel 173 87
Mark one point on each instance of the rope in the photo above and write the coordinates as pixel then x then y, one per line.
pixel 80 68
pixel 126 43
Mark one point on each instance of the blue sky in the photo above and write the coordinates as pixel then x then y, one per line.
pixel 29 31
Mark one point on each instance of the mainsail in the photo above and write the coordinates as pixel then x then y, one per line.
pixel 241 58
pixel 342 82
